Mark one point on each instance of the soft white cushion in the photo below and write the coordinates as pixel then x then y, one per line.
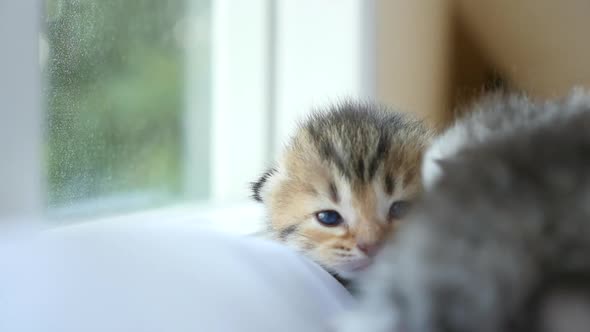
pixel 160 278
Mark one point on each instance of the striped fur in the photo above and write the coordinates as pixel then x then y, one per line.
pixel 356 159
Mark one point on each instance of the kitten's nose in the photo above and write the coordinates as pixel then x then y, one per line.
pixel 368 248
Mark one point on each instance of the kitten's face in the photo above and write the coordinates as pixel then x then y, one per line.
pixel 339 216
pixel 339 224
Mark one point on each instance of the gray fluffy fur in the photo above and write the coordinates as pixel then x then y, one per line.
pixel 505 226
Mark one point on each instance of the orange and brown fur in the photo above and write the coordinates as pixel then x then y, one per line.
pixel 355 165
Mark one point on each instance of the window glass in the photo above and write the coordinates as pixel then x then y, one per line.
pixel 115 99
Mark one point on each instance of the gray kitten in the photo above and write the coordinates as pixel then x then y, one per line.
pixel 501 240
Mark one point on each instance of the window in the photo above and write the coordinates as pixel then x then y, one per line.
pixel 165 105
pixel 114 94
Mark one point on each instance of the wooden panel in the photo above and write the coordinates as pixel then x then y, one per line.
pixel 541 45
pixel 413 40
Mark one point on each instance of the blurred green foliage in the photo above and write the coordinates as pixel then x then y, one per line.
pixel 114 91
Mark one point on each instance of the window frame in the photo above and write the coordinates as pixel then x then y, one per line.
pixel 20 111
pixel 266 94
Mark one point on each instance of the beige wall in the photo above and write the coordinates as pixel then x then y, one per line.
pixel 436 54
pixel 413 54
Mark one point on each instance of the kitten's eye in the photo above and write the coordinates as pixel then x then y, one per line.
pixel 329 218
pixel 399 209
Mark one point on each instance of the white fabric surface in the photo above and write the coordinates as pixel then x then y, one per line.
pixel 160 278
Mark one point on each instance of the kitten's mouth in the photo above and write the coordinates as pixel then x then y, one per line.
pixel 358 265
pixel 361 265
pixel 353 269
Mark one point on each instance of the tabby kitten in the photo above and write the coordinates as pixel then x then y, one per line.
pixel 343 183
pixel 501 240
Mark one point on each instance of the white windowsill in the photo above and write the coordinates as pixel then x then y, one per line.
pixel 243 218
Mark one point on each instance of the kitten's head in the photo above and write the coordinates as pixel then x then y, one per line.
pixel 492 118
pixel 343 183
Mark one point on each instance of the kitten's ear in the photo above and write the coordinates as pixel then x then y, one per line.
pixel 260 186
pixel 433 170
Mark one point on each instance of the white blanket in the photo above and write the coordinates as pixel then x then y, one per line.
pixel 160 278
